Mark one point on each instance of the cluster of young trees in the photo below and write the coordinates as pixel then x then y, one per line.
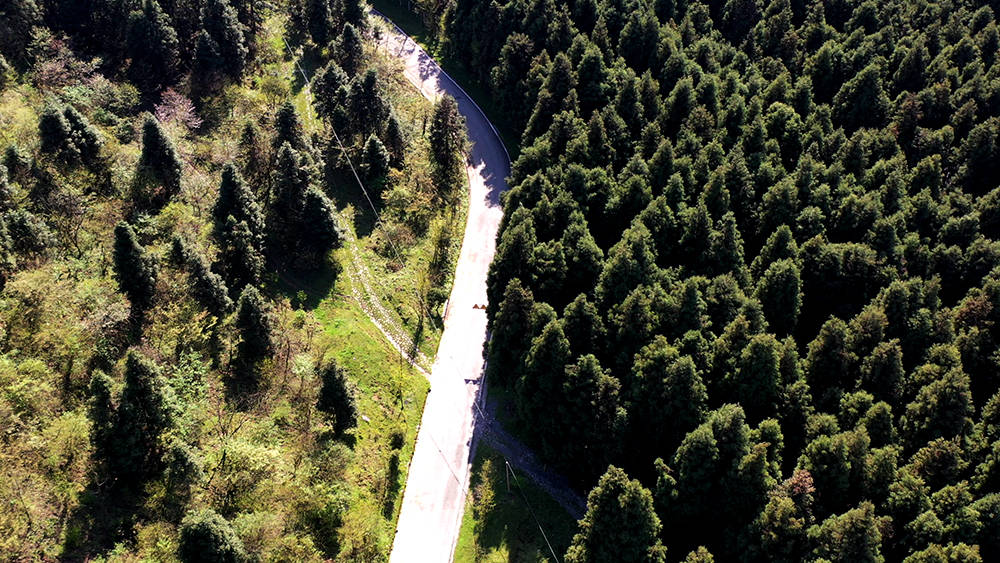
pixel 750 255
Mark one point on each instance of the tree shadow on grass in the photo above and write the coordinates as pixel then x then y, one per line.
pixel 344 190
pixel 507 521
pixel 392 479
pixel 307 289
pixel 103 518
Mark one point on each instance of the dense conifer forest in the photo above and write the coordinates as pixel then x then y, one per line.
pixel 186 369
pixel 750 261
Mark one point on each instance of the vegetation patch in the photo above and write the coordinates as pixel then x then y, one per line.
pixel 500 516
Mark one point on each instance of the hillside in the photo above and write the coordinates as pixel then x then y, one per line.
pixel 188 369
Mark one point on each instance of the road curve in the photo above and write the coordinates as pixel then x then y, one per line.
pixel 434 498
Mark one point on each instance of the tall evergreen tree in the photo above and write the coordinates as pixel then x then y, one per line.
pixel 145 413
pixel 208 288
pixel 159 169
pixel 349 52
pixel 152 46
pixel 18 19
pixel 447 137
pixel 620 524
pixel 135 269
pixel 367 105
pixel 222 24
pixel 254 323
pixel 288 128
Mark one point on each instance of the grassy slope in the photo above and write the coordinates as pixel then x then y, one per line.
pixel 498 525
pixel 50 313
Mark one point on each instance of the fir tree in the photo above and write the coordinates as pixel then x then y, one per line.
pixel 145 413
pixel 620 524
pixel 206 536
pixel 135 269
pixel 447 137
pixel 152 46
pixel 375 164
pixel 349 52
pixel 254 323
pixel 394 142
pixel 220 21
pixel 159 166
pixel 288 128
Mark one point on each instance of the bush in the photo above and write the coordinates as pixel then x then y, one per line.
pixel 206 536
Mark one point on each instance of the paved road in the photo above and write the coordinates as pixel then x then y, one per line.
pixel 434 499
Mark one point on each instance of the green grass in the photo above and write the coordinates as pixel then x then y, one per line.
pixel 392 396
pixel 414 27
pixel 498 525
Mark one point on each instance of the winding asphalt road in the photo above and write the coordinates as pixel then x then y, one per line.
pixel 434 499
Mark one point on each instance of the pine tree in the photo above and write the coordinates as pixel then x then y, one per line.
pixel 254 323
pixel 542 376
pixel 326 87
pixel 241 260
pixel 18 19
pixel 780 294
pixel 353 13
pixel 101 412
pixel 758 379
pixel 375 165
pixel 620 524
pixel 206 536
pixel 338 397
pixel 394 142
pixel 237 201
pixel 207 286
pixel 447 137
pixel 208 64
pixel 349 53
pixel 320 231
pixel 153 47
pixel 589 422
pixel 852 536
pixel 509 341
pixel 144 414
pixel 55 135
pixel 289 183
pixel 85 138
pixel 320 18
pixel 669 400
pixel 220 21
pixel 288 128
pixel 862 102
pixel 367 105
pixel 135 270
pixel 159 164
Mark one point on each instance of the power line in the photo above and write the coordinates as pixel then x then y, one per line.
pixel 378 217
pixel 531 511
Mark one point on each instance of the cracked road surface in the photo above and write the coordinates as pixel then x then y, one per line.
pixel 434 499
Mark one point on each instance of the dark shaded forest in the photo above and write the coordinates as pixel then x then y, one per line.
pixel 750 259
